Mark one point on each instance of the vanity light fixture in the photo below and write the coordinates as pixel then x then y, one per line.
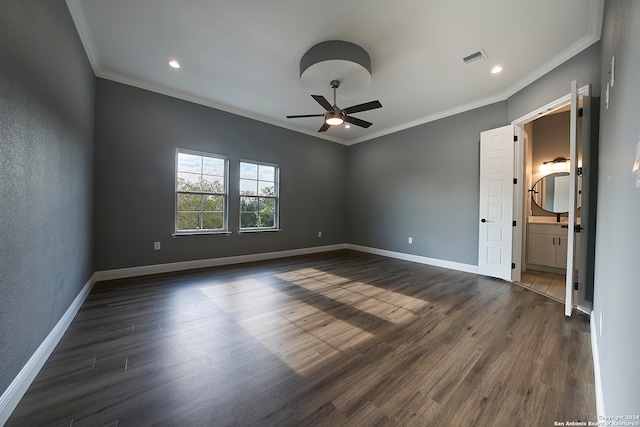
pixel 557 164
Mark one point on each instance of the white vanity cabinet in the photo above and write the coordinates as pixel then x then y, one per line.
pixel 547 245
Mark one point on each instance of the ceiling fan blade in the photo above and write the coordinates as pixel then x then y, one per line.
pixel 363 107
pixel 324 127
pixel 323 101
pixel 357 122
pixel 304 115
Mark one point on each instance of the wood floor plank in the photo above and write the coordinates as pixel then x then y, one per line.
pixel 338 339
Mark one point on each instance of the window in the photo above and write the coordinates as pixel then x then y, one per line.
pixel 258 196
pixel 201 192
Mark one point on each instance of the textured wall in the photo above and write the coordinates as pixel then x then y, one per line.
pixel 422 183
pixel 137 133
pixel 46 149
pixel 617 278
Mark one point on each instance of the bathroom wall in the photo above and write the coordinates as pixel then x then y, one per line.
pixel 550 140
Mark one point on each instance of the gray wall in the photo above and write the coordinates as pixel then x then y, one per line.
pixel 617 282
pixel 583 68
pixel 46 149
pixel 137 133
pixel 422 183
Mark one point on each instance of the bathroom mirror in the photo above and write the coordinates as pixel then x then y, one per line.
pixel 551 192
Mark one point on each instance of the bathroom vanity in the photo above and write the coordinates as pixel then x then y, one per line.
pixel 547 244
pixel 547 235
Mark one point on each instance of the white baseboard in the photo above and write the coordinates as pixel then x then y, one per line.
pixel 122 273
pixel 596 368
pixel 18 387
pixel 468 268
pixel 144 270
pixel 584 309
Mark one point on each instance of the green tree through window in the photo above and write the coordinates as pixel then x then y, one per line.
pixel 201 192
pixel 258 195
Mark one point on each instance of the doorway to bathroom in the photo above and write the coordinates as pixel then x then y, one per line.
pixel 554 201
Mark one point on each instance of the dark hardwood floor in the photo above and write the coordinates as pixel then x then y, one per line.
pixel 340 338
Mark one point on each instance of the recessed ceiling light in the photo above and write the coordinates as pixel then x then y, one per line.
pixel 496 69
pixel 173 63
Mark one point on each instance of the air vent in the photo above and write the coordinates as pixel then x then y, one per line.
pixel 475 57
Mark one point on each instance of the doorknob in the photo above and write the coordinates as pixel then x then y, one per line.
pixel 483 220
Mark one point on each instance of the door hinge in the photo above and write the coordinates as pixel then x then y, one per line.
pixel 515 138
pixel 580 112
pixel 575 286
pixel 515 180
pixel 513 265
pixel 514 223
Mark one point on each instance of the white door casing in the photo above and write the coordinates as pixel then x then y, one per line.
pixel 517 252
pixel 587 198
pixel 573 179
pixel 496 202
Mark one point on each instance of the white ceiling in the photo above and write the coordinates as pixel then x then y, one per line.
pixel 243 56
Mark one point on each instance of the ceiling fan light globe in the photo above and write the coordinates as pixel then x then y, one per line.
pixel 333 118
pixel 334 121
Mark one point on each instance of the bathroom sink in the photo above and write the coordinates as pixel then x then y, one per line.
pixel 550 220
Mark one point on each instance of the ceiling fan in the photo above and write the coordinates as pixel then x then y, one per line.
pixel 335 116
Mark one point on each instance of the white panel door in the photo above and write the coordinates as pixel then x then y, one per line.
pixel 496 202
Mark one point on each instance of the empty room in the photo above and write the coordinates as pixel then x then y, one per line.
pixel 288 213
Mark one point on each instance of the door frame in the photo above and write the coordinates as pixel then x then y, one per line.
pixel 520 161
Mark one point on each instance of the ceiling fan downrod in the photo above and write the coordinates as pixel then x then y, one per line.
pixel 335 84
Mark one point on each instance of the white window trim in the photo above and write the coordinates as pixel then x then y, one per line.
pixel 258 230
pixel 200 233
pixel 225 219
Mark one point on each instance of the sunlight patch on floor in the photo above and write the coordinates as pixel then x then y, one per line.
pixel 299 334
pixel 284 319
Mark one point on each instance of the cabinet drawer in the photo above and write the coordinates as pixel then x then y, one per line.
pixel 548 229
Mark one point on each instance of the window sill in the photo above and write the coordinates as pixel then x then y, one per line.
pixel 260 230
pixel 200 233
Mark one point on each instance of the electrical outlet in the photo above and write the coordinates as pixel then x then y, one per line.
pixel 410 240
pixel 156 246
pixel 319 233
